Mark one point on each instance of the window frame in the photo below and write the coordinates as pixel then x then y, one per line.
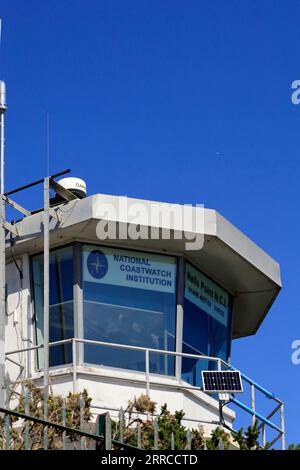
pixel 230 304
pixel 35 362
pixel 78 299
pixel 121 247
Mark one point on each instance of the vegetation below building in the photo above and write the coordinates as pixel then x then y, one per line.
pixel 138 425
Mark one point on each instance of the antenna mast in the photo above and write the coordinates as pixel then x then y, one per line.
pixel 2 241
pixel 2 247
pixel 2 111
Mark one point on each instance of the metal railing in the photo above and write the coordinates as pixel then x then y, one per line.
pixel 264 421
pixel 100 441
pixel 109 434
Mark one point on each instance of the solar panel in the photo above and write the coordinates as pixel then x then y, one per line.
pixel 222 381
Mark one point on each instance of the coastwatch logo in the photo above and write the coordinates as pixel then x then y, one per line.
pixel 97 264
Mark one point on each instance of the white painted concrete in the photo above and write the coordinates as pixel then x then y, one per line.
pixel 111 389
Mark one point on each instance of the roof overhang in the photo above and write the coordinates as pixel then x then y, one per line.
pixel 227 255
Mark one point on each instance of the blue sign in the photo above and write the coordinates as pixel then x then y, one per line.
pixel 126 268
pixel 97 264
pixel 206 294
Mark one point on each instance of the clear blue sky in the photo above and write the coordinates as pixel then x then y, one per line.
pixel 177 101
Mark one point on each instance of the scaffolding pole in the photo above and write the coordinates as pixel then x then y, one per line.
pixel 46 303
pixel 2 249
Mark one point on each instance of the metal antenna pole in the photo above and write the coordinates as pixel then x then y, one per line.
pixel 2 249
pixel 2 111
pixel 46 303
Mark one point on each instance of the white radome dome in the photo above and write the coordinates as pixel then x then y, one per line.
pixel 77 186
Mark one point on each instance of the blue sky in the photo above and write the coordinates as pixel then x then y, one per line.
pixel 175 101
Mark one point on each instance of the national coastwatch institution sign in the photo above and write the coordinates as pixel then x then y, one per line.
pixel 128 268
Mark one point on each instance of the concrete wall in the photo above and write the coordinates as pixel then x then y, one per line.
pixel 19 319
pixel 111 389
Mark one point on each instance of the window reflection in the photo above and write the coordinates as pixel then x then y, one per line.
pixel 61 317
pixel 206 325
pixel 129 298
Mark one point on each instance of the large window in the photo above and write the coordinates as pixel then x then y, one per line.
pixel 61 324
pixel 129 298
pixel 206 325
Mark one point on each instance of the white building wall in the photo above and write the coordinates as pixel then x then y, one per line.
pixel 111 389
pixel 19 318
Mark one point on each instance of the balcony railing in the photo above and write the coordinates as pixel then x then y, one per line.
pixel 265 421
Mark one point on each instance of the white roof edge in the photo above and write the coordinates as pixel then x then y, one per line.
pixel 245 247
pixel 214 224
